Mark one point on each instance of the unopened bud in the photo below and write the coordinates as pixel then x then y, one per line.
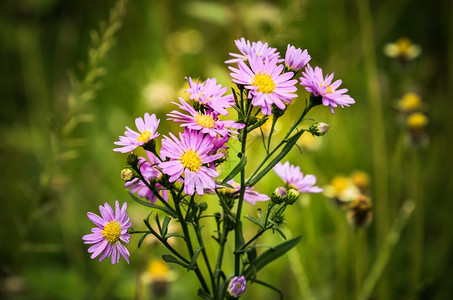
pixel 203 206
pixel 224 153
pixel 292 196
pixel 237 286
pixel 318 128
pixel 128 174
pixel 279 195
pixel 132 160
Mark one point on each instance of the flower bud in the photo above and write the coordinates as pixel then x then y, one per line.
pixel 203 206
pixel 279 195
pixel 132 160
pixel 224 156
pixel 237 286
pixel 318 128
pixel 292 196
pixel 417 121
pixel 128 174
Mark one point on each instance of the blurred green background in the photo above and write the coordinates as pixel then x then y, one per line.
pixel 57 140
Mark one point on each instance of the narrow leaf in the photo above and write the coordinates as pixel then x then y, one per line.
pixel 270 255
pixel 279 231
pixel 239 167
pixel 289 145
pixel 193 262
pixel 171 259
pixel 204 295
pixel 142 239
pixel 149 204
pixel 165 225
pixel 254 220
pixel 169 235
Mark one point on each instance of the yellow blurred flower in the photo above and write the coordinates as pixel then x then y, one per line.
pixel 409 103
pixel 417 121
pixel 361 180
pixel 360 213
pixel 342 188
pixel 403 48
pixel 158 94
pixel 309 142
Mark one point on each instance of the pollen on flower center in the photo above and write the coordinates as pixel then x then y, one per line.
pixel 207 121
pixel 112 231
pixel 144 137
pixel 264 83
pixel 329 88
pixel 191 160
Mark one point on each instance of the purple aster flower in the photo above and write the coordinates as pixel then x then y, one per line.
pixel 206 122
pixel 295 59
pixel 111 230
pixel 255 49
pixel 149 172
pixel 189 155
pixel 295 179
pixel 132 139
pixel 266 83
pixel 210 94
pixel 237 286
pixel 314 82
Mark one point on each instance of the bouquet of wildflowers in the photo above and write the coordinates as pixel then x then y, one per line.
pixel 181 168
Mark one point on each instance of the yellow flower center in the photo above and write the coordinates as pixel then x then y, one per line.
pixel 207 121
pixel 144 137
pixel 410 102
pixel 404 46
pixel 417 121
pixel 112 231
pixel 264 83
pixel 329 90
pixel 191 160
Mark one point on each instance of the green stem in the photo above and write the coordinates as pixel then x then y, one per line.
pixel 188 241
pixel 274 121
pixel 283 141
pixel 238 240
pixel 162 240
pixel 206 259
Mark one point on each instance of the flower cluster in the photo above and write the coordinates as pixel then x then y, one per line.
pixel 179 168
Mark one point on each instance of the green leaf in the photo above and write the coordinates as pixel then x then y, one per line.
pixel 169 235
pixel 279 231
pixel 251 253
pixel 269 256
pixel 142 239
pixel 204 295
pixel 165 225
pixel 239 167
pixel 254 220
pixel 149 204
pixel 289 145
pixel 171 259
pixel 193 262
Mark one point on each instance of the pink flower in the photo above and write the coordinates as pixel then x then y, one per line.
pixel 255 50
pixel 111 230
pixel 188 156
pixel 295 179
pixel 206 122
pixel 149 172
pixel 210 94
pixel 132 139
pixel 314 82
pixel 295 59
pixel 266 83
